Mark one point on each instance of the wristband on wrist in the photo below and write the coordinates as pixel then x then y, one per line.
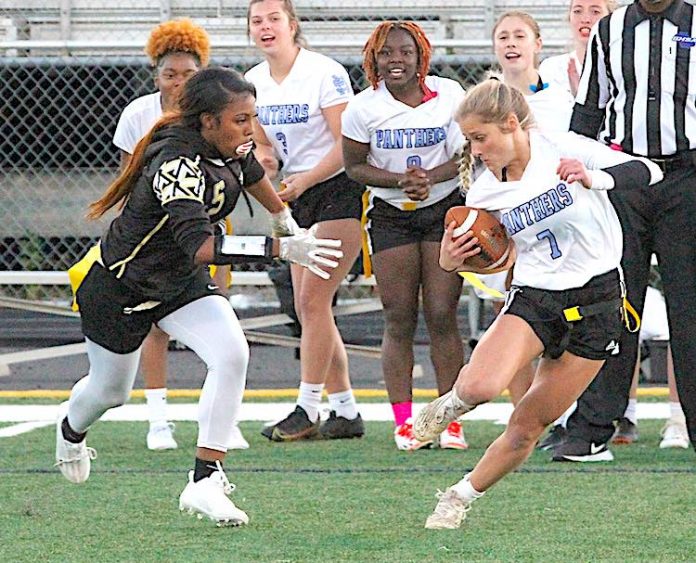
pixel 233 249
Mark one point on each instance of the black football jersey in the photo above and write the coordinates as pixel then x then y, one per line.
pixel 183 190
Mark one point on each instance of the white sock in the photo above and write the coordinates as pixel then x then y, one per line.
pixel 156 405
pixel 630 413
pixel 344 404
pixel 465 490
pixel 563 419
pixel 676 413
pixel 460 407
pixel 309 398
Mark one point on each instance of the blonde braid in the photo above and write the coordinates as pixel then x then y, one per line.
pixel 466 163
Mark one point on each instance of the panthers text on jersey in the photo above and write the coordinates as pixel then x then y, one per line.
pixel 183 190
pixel 290 112
pixel 401 136
pixel 565 234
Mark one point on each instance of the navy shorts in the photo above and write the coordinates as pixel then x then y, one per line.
pixel 595 337
pixel 336 198
pixel 389 226
pixel 118 318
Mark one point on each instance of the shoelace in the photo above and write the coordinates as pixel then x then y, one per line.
pixel 452 504
pixel 170 426
pixel 222 479
pixel 81 453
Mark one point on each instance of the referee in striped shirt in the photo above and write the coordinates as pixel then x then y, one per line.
pixel 638 95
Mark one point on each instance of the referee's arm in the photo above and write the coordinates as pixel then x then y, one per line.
pixel 593 91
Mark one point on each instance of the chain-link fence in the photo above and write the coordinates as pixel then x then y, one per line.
pixel 71 66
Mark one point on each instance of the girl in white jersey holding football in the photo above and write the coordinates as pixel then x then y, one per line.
pixel 549 191
pixel 564 70
pixel 300 97
pixel 177 50
pixel 400 139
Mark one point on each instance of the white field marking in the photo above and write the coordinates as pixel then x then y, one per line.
pixel 40 354
pixel 23 427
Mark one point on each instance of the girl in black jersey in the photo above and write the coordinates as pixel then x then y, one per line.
pixel 184 177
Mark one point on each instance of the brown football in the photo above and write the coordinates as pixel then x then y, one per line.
pixel 493 238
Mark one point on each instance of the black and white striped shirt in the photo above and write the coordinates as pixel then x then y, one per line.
pixel 638 85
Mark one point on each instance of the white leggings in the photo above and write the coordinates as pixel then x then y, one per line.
pixel 211 329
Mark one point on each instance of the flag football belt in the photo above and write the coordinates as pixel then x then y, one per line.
pixel 579 312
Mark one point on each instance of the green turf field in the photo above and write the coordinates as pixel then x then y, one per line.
pixel 358 500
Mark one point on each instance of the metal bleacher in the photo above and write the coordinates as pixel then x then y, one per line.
pixel 88 27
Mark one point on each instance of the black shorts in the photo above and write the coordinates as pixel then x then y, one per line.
pixel 119 318
pixel 389 226
pixel 336 198
pixel 595 337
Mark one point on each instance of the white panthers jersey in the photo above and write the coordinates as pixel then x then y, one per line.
pixel 552 108
pixel 554 70
pixel 565 234
pixel 137 119
pixel 290 112
pixel 401 136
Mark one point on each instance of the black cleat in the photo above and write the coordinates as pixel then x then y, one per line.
pixel 553 439
pixel 340 427
pixel 574 449
pixel 295 426
pixel 626 432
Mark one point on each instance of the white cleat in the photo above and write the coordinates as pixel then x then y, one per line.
pixel 73 460
pixel 452 438
pixel 208 497
pixel 435 417
pixel 674 435
pixel 449 513
pixel 406 441
pixel 237 440
pixel 161 437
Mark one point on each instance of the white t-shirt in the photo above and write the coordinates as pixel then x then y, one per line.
pixel 565 234
pixel 137 119
pixel 290 112
pixel 551 107
pixel 554 70
pixel 400 135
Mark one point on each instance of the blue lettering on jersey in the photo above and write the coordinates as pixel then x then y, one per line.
pixel 410 138
pixel 684 40
pixel 537 209
pixel 340 84
pixel 287 114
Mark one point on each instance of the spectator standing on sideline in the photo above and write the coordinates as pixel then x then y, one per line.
pixel 400 139
pixel 564 71
pixel 300 98
pixel 185 176
pixel 549 190
pixel 177 50
pixel 643 105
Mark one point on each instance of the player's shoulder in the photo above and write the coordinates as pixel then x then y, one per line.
pixel 257 72
pixel 442 84
pixel 148 104
pixel 317 61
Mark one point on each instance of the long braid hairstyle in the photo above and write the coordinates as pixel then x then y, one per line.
pixel 492 101
pixel 207 91
pixel 379 37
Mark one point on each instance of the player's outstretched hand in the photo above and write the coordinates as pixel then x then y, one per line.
pixel 283 224
pixel 318 255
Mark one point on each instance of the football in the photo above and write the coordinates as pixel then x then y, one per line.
pixel 493 238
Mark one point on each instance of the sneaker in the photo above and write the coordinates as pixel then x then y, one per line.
pixel 340 427
pixel 626 432
pixel 579 450
pixel 208 497
pixel 435 417
pixel 449 513
pixel 296 426
pixel 73 460
pixel 674 435
pixel 237 441
pixel 453 437
pixel 161 436
pixel 405 439
pixel 553 439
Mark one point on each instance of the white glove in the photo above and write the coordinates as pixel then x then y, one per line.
pixel 283 224
pixel 306 250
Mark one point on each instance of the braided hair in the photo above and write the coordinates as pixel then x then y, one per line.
pixel 379 37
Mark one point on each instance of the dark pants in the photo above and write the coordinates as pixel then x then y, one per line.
pixel 659 219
